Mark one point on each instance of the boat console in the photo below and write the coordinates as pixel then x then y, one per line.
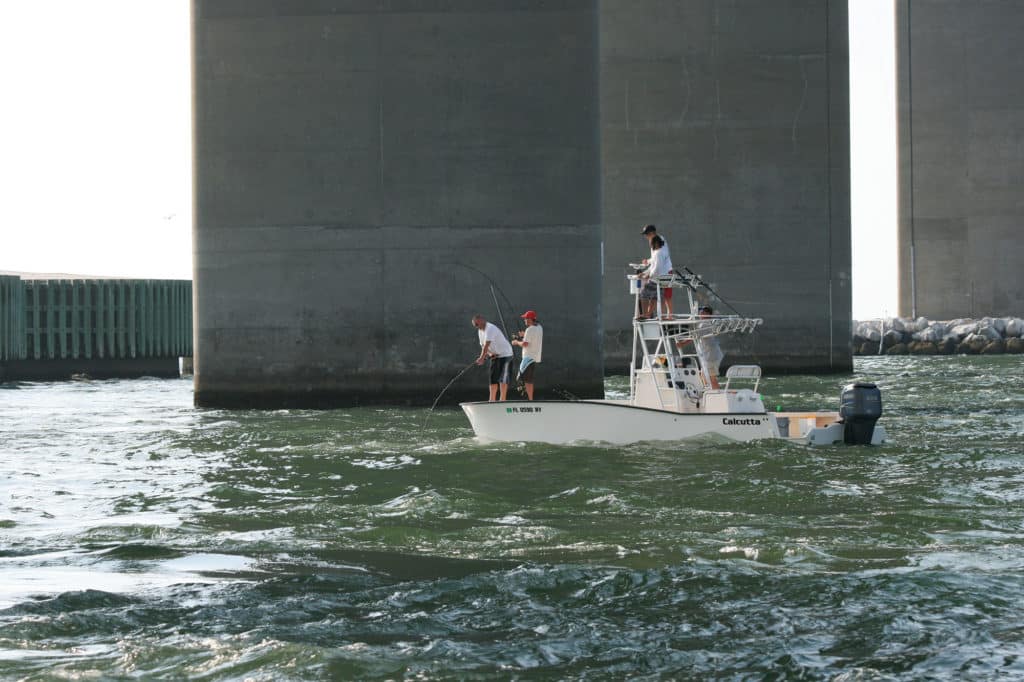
pixel 673 365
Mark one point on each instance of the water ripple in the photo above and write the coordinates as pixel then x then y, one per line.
pixel 141 537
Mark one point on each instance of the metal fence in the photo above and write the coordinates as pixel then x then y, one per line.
pixel 106 318
pixel 12 318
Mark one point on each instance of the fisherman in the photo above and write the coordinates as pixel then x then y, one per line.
pixel 532 343
pixel 660 265
pixel 495 346
pixel 707 348
pixel 649 293
pixel 710 352
pixel 650 232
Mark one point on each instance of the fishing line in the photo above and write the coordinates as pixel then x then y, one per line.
pixel 494 286
pixel 454 379
pixel 714 293
pixel 497 307
pixel 500 316
pixel 565 394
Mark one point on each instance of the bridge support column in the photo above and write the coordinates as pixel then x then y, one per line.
pixel 369 175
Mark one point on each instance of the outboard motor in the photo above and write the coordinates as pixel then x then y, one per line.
pixel 860 406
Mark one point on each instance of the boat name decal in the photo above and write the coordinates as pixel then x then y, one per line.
pixel 522 410
pixel 732 421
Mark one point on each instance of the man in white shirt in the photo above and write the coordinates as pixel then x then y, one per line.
pixel 532 344
pixel 649 294
pixel 650 232
pixel 495 346
pixel 709 349
pixel 660 265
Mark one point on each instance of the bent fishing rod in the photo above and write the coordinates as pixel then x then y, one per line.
pixel 700 280
pixel 446 387
pixel 494 286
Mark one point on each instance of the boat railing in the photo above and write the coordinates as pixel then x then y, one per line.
pixel 677 280
pixel 714 326
pixel 695 326
pixel 660 342
pixel 751 373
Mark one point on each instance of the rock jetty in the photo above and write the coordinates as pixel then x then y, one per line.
pixel 901 336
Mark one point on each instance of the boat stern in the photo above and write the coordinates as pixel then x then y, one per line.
pixel 818 428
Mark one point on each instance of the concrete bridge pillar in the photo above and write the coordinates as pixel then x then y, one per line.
pixel 727 125
pixel 366 171
pixel 961 147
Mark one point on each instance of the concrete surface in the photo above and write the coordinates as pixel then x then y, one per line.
pixel 961 146
pixel 365 169
pixel 726 124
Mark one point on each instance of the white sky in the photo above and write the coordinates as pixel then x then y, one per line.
pixel 95 142
pixel 95 137
pixel 873 157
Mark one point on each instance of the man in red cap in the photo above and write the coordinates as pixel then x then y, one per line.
pixel 532 344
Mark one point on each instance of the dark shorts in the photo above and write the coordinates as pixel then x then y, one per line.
pixel 501 370
pixel 649 292
pixel 527 374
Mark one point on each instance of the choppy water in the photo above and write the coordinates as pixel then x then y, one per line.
pixel 140 537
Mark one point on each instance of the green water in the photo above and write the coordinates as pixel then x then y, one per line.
pixel 143 538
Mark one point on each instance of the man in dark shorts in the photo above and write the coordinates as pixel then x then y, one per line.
pixel 495 346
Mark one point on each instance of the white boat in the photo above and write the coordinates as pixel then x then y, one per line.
pixel 672 395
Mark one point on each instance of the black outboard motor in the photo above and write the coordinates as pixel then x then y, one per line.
pixel 860 406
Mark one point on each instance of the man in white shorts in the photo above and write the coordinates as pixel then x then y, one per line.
pixel 710 352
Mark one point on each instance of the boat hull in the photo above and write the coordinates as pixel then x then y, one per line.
pixel 559 422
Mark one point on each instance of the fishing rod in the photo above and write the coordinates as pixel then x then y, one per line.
pixel 501 317
pixel 494 286
pixel 565 394
pixel 707 286
pixel 454 379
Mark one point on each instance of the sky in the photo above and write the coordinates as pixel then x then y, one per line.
pixel 96 137
pixel 873 158
pixel 95 142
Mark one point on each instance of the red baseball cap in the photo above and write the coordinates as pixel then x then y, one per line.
pixel 529 315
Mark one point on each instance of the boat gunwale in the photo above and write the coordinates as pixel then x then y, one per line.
pixel 596 401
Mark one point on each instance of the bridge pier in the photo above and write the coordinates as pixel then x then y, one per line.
pixel 369 175
pixel 727 125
